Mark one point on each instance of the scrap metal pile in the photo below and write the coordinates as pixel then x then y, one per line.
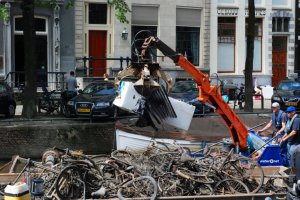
pixel 157 171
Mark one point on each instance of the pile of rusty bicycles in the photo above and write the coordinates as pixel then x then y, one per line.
pixel 157 171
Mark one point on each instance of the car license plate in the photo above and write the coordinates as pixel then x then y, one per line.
pixel 84 110
pixel 291 104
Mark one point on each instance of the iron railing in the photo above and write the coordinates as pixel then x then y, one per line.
pixel 85 71
pixel 48 79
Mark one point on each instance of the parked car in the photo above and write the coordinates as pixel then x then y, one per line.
pixel 96 100
pixel 187 92
pixel 287 94
pixel 7 101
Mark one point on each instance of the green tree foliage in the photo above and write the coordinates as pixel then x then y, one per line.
pixel 121 9
pixel 3 12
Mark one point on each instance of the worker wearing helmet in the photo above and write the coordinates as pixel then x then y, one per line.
pixel 278 120
pixel 292 133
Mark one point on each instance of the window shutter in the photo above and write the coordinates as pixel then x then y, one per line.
pixel 145 15
pixel 188 17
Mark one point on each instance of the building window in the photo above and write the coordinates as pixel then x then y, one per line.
pixel 97 13
pixel 280 24
pixel 187 43
pixel 39 23
pixel 41 28
pixel 143 18
pixel 138 40
pixel 257 2
pixel 226 1
pixel 226 44
pixel 257 54
pixel 280 2
pixel 188 33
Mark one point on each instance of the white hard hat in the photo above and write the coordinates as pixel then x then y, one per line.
pixel 275 105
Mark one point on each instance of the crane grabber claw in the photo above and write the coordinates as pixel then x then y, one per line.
pixel 154 103
pixel 147 74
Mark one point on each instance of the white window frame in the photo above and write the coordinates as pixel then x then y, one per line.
pixel 37 32
pixel 86 14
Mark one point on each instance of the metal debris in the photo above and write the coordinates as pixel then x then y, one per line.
pixel 158 171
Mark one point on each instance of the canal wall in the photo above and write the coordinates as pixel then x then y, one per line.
pixel 31 140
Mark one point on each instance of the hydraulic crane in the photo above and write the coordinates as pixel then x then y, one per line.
pixel 207 92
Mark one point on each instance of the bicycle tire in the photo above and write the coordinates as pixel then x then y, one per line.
pixel 230 186
pixel 248 171
pixel 168 185
pixel 59 187
pixel 152 181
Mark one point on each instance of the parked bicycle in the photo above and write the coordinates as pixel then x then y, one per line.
pixel 20 94
pixel 65 97
pixel 48 102
pixel 239 98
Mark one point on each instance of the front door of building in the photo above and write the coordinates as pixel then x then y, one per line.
pixel 97 49
pixel 279 59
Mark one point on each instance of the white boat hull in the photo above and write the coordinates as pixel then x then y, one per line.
pixel 125 140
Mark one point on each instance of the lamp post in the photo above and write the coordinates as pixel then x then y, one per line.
pixel 7 43
pixel 124 34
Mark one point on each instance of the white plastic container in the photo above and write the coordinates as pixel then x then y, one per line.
pixel 184 114
pixel 19 191
pixel 267 92
pixel 128 96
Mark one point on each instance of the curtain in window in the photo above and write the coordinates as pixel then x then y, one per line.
pixel 257 55
pixel 226 1
pixel 195 47
pixel 226 44
pixel 188 21
pixel 279 2
pixel 187 43
pixel 226 57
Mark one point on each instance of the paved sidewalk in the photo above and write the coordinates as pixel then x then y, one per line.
pixel 256 106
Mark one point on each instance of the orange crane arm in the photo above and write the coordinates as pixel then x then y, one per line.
pixel 207 92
